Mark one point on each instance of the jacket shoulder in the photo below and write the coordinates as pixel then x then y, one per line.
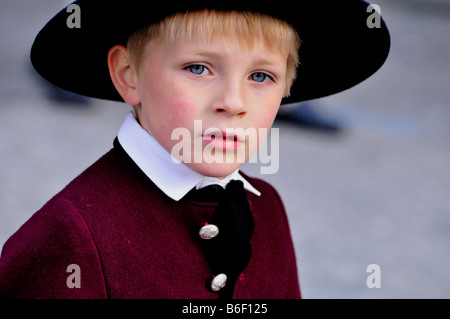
pixel 36 261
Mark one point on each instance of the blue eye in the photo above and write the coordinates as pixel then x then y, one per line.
pixel 260 77
pixel 197 69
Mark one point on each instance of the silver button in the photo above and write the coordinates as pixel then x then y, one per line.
pixel 209 231
pixel 219 282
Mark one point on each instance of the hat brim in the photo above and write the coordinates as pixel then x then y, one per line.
pixel 339 47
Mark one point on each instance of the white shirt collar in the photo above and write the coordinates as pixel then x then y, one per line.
pixel 174 179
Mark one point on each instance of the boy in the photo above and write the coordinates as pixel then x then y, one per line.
pixel 151 218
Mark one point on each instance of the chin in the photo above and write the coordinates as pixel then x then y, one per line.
pixel 219 170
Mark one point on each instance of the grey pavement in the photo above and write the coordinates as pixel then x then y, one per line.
pixel 375 193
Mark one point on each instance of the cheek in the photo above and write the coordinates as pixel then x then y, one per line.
pixel 168 106
pixel 180 107
pixel 268 113
pixel 162 99
pixel 266 119
pixel 176 97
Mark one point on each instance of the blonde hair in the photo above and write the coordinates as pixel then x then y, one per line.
pixel 203 25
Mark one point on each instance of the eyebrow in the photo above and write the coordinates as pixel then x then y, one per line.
pixel 202 53
pixel 265 61
pixel 213 54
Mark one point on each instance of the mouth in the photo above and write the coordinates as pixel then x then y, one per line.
pixel 222 140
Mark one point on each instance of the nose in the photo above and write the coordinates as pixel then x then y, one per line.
pixel 231 99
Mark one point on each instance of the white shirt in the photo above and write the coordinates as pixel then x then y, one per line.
pixel 174 179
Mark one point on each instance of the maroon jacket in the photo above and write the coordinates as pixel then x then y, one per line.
pixel 132 241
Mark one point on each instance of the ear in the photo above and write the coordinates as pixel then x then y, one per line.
pixel 122 75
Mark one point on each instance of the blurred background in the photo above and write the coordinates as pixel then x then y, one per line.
pixel 364 174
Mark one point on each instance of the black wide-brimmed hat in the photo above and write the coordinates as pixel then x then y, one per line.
pixel 343 42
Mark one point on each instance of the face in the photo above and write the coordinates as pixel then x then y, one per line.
pixel 211 105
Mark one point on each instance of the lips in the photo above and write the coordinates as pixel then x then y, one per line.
pixel 226 140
